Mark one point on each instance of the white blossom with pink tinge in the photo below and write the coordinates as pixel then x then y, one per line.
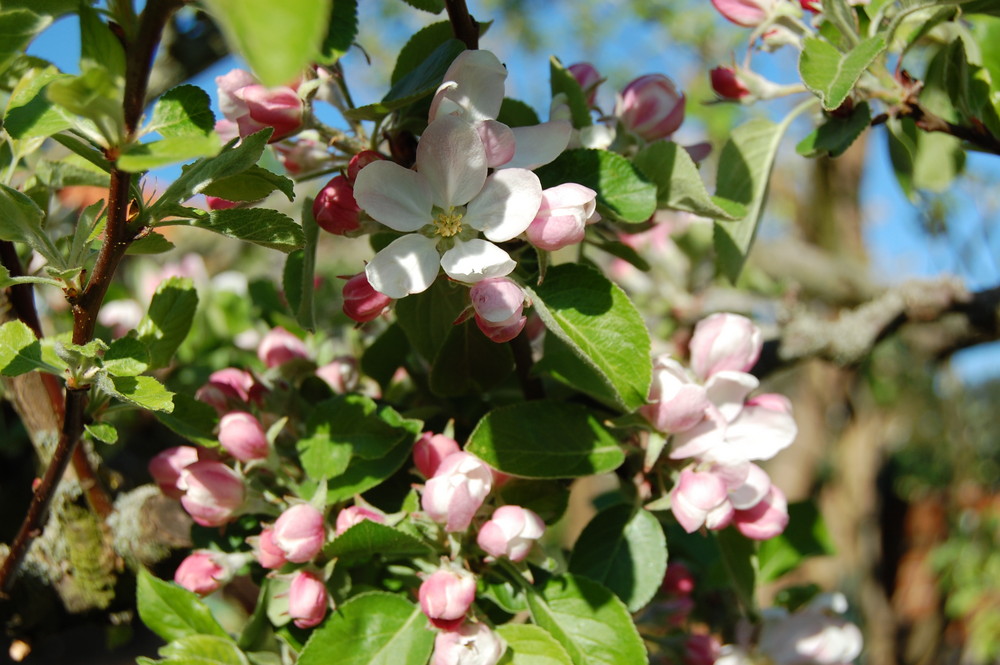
pixel 459 486
pixel 511 532
pixel 724 342
pixel 469 644
pixel 814 635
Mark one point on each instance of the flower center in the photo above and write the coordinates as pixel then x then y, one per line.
pixel 448 223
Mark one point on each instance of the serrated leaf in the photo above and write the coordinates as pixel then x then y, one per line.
pixel 531 645
pixel 469 363
pixel 836 134
pixel 419 47
pixel 71 171
pixel 601 326
pixel 6 280
pixel 260 226
pixel 21 352
pixel 830 74
pixel 367 539
pixel 589 621
pixel 623 193
pixel 277 39
pixel 624 549
pixel 182 112
pixel 171 611
pixel 29 112
pixel 194 420
pixel 103 432
pixel 126 356
pixel 561 80
pixel 143 391
pixel 168 320
pixel 17 28
pixel 678 184
pixel 427 317
pixel 21 221
pixel 151 242
pixel 138 157
pixel 253 184
pixel 203 650
pixel 373 628
pixel 341 32
pixel 432 6
pixel 99 47
pixel 545 439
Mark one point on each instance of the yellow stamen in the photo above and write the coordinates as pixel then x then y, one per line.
pixel 448 223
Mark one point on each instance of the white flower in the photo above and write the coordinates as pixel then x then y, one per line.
pixel 443 206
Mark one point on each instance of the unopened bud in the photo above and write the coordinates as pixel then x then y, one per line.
pixel 362 302
pixel 335 209
pixel 651 106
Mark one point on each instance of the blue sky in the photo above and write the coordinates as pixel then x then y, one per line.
pixel 899 249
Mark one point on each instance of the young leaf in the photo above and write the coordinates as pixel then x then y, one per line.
pixel 261 226
pixel 373 628
pixel 531 645
pixel 562 81
pixel 99 47
pixel 277 39
pixel 469 362
pixel 830 74
pixel 171 611
pixel 367 539
pixel 251 185
pixel 103 432
pixel 419 48
pixel 589 621
pixel 183 111
pixel 21 352
pixel 605 332
pixel 126 356
pixel 623 193
pixel 203 650
pixel 142 391
pixel 29 111
pixel 624 549
pixel 21 221
pixel 18 27
pixel 545 439
pixel 194 420
pixel 168 320
pixel 342 30
pixel 6 280
pixel 836 134
pixel 678 184
pixel 137 157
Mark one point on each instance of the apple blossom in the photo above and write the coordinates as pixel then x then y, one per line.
pixel 651 107
pixel 813 635
pixel 501 332
pixel 166 467
pixel 676 402
pixel 563 216
pixel 748 13
pixel 442 207
pixel 363 303
pixel 588 77
pixel 766 519
pixel 510 532
pixel 243 437
pixel 307 599
pixel 360 161
pixel 727 84
pixel 300 533
pixel 469 644
pixel 722 342
pixel 446 596
pixel 267 553
pixel 700 498
pixel 253 106
pixel 203 571
pixel 335 209
pixel 306 153
pixel 700 650
pixel 226 387
pixel 352 515
pixel 430 450
pixel 279 346
pixel 457 490
pixel 213 493
pixel 341 374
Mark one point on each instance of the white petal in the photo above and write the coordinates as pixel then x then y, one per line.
pixel 397 197
pixel 406 265
pixel 727 390
pixel 506 205
pixel 539 144
pixel 754 488
pixel 475 260
pixel 499 141
pixel 453 159
pixel 478 87
pixel 759 433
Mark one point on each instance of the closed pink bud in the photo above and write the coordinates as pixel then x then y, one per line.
pixel 511 532
pixel 341 374
pixel 166 467
pixel 469 644
pixel 279 108
pixel 243 436
pixel 724 342
pixel 497 300
pixel 446 596
pixel 562 218
pixel 748 13
pixel 651 106
pixel 300 533
pixel 213 493
pixel 765 520
pixel 360 161
pixel 362 302
pixel 501 332
pixel 588 77
pixel 306 153
pixel 203 572
pixel 814 6
pixel 727 84
pixel 226 387
pixel 678 580
pixel 268 554
pixel 700 499
pixel 677 403
pixel 279 346
pixel 701 650
pixel 335 209
pixel 352 515
pixel 228 84
pixel 430 450
pixel 457 490
pixel 215 203
pixel 307 599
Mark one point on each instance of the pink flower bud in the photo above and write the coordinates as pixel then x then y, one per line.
pixel 430 450
pixel 243 436
pixel 562 218
pixel 268 554
pixel 361 302
pixel 307 599
pixel 470 644
pixel 213 493
pixel 352 515
pixel 279 346
pixel 226 387
pixel 341 374
pixel 306 153
pixel 253 107
pixel 701 650
pixel 748 13
pixel 300 533
pixel 511 532
pixel 700 498
pixel 360 161
pixel 651 106
pixel 588 77
pixel 727 84
pixel 166 467
pixel 678 581
pixel 814 6
pixel 457 490
pixel 497 300
pixel 446 596
pixel 203 572
pixel 215 203
pixel 501 332
pixel 677 403
pixel 228 84
pixel 724 342
pixel 335 209
pixel 765 520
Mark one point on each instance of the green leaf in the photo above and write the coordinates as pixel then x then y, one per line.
pixel 103 432
pixel 590 622
pixel 805 536
pixel 138 157
pixel 531 645
pixel 470 363
pixel 367 539
pixel 17 28
pixel 427 317
pixel 21 221
pixel 419 47
pixel 432 6
pixel 99 47
pixel 251 185
pixel 739 557
pixel 6 280
pixel 261 226
pixel 624 549
pixel 142 391
pixel 183 111
pixel 605 332
pixel 71 170
pixel 192 419
pixel 623 192
pixel 203 650
pixel 678 184
pixel 171 611
pixel 94 95
pixel 21 352
pixel 830 74
pixel 374 628
pixel 545 439
pixel 342 30
pixel 836 134
pixel 515 113
pixel 923 161
pixel 126 356
pixel 150 242
pixel 29 112
pixel 168 320
pixel 277 39
pixel 51 8
pixel 561 80
pixel 305 308
pixel 385 355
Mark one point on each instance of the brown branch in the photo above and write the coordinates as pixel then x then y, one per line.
pixel 977 135
pixel 465 28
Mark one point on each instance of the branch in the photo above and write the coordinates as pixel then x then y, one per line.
pixel 465 28
pixel 977 135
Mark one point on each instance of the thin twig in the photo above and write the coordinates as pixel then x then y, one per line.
pixel 465 28
pixel 977 135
